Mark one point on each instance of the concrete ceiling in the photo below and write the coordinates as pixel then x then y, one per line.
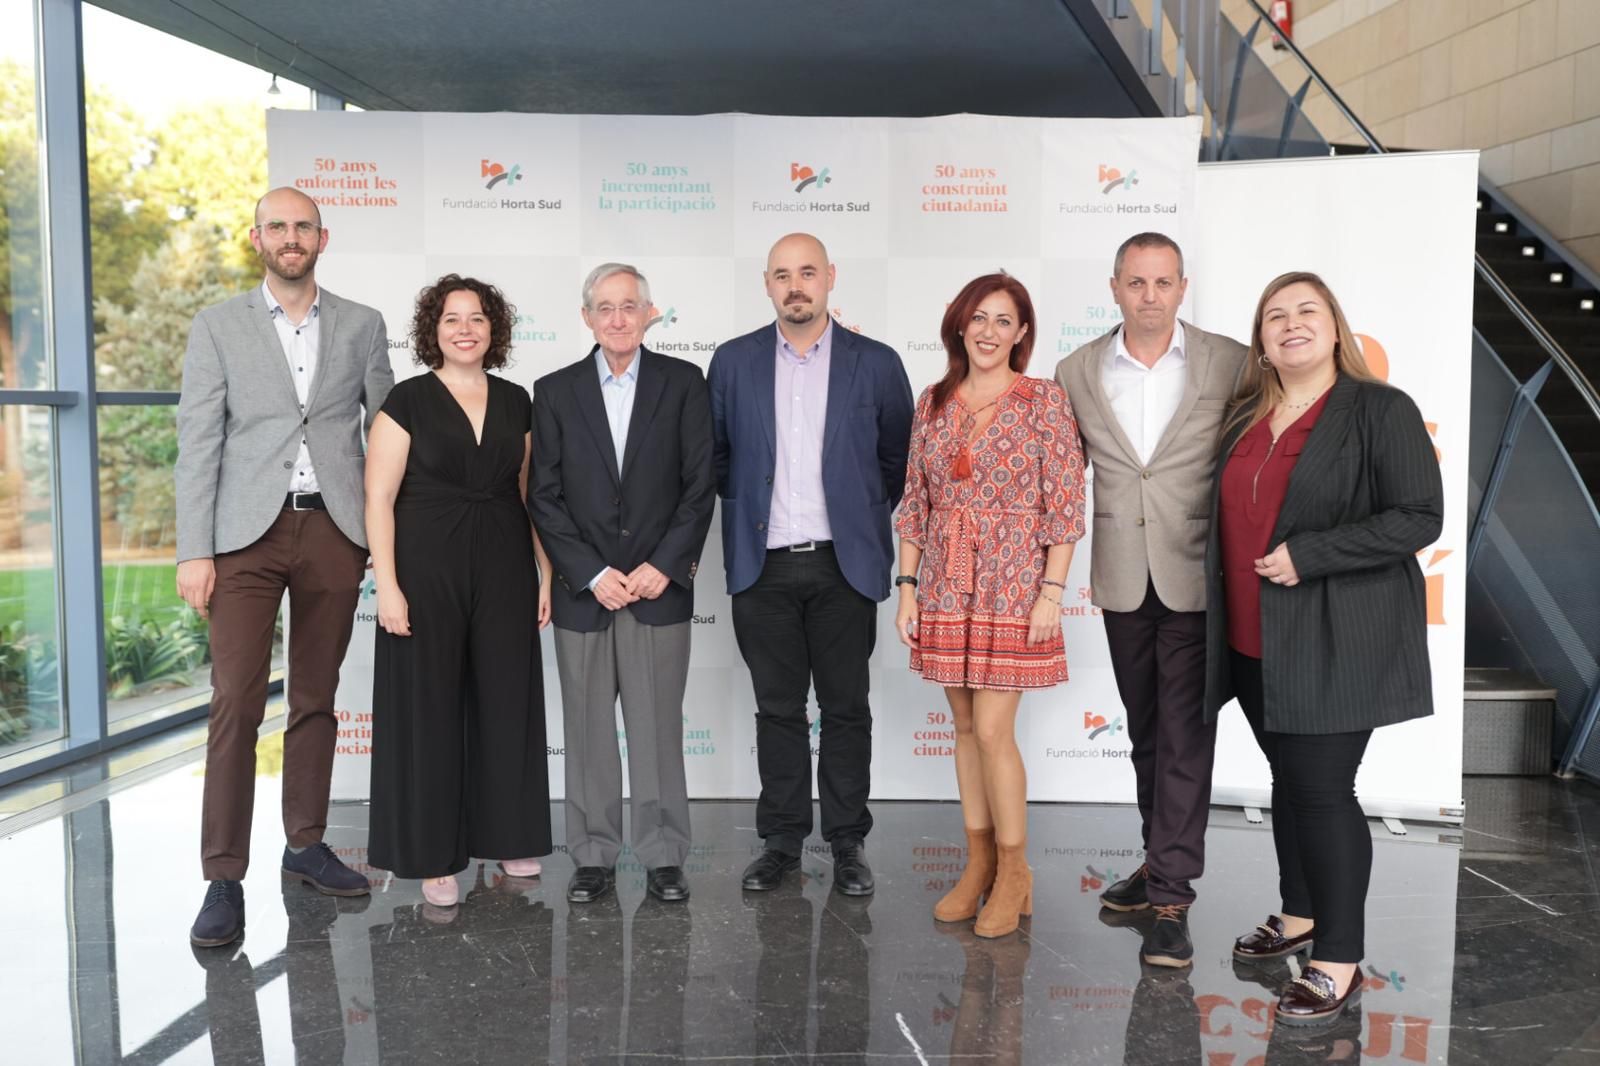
pixel 815 57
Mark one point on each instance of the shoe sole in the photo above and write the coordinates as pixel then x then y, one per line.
pixel 1167 960
pixel 326 890
pixel 750 886
pixel 202 943
pixel 665 897
pixel 1123 908
pixel 843 891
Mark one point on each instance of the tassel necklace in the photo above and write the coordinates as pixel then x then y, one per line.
pixel 961 469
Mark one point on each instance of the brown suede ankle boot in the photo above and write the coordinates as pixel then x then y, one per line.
pixel 961 902
pixel 1012 895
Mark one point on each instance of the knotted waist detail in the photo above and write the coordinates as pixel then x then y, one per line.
pixel 963 539
pixel 423 491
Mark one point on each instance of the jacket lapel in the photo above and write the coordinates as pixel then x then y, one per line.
pixel 842 362
pixel 1094 382
pixel 647 390
pixel 327 318
pixel 1322 446
pixel 272 347
pixel 1197 357
pixel 592 408
pixel 764 380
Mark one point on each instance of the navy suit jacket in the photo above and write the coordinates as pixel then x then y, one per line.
pixel 866 435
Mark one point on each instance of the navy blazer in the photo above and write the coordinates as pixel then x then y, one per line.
pixel 865 438
pixel 655 509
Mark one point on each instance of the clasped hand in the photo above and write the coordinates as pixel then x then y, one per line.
pixel 615 590
pixel 1277 567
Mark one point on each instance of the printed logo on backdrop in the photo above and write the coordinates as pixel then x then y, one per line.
pixel 964 189
pixel 1099 733
pixel 1097 725
pixel 661 323
pixel 656 188
pixel 1377 358
pixel 804 183
pixel 665 319
pixel 498 178
pixel 1116 196
pixel 349 183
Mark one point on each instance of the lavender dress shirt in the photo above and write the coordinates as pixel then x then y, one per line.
pixel 800 406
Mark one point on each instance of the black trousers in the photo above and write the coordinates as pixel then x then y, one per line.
pixel 1159 659
pixel 1318 828
pixel 799 625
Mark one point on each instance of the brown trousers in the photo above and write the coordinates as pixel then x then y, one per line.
pixel 305 553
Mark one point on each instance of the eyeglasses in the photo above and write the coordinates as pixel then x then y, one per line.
pixel 278 229
pixel 627 310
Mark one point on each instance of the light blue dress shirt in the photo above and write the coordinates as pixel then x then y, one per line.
pixel 618 393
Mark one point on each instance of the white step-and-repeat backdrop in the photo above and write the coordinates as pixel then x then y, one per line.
pixel 910 209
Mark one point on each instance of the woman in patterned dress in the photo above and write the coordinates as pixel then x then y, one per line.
pixel 993 505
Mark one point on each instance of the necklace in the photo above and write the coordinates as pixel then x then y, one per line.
pixel 1305 403
pixel 969 420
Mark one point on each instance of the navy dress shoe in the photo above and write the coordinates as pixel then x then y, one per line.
pixel 221 917
pixel 590 883
pixel 667 883
pixel 320 868
pixel 766 872
pixel 851 874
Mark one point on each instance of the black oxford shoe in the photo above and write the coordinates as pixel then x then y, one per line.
pixel 590 883
pixel 1268 942
pixel 221 917
pixel 851 874
pixel 766 872
pixel 667 884
pixel 1129 893
pixel 1167 943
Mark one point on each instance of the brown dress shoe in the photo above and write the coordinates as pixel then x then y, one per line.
pixel 1267 941
pixel 1310 998
pixel 961 902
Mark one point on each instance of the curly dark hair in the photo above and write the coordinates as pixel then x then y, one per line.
pixel 430 308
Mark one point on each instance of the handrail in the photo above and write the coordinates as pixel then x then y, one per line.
pixel 1316 75
pixel 1553 349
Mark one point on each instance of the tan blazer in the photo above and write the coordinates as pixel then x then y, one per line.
pixel 1150 522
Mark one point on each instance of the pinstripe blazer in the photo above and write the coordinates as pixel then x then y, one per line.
pixel 1346 648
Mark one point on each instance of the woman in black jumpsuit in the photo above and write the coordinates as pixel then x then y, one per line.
pixel 458 745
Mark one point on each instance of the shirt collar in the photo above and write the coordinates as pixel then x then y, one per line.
pixel 1120 349
pixel 631 374
pixel 276 308
pixel 823 345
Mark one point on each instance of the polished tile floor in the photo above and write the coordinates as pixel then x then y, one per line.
pixel 1484 947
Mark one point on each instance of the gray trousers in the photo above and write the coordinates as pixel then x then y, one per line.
pixel 648 666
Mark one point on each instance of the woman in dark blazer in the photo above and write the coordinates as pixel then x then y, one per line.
pixel 1327 486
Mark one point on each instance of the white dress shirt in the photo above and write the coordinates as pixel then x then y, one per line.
pixel 618 393
pixel 300 348
pixel 1142 398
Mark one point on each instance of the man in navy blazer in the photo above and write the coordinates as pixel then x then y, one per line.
pixel 810 428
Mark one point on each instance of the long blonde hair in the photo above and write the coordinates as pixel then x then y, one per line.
pixel 1260 388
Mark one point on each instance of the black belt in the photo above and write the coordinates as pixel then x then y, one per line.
pixel 804 546
pixel 303 501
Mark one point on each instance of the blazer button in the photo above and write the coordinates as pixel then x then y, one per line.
pixel 1138 521
pixel 625 533
pixel 769 479
pixel 287 465
pixel 761 527
pixel 1145 475
pixel 616 501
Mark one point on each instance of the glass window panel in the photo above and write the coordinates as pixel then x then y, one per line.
pixel 24 332
pixel 177 147
pixel 30 675
pixel 158 655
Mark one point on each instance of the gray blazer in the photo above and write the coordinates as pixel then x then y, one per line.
pixel 1150 521
pixel 239 420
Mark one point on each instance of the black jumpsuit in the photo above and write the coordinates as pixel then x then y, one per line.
pixel 458 738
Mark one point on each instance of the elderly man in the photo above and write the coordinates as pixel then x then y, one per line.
pixel 270 498
pixel 621 494
pixel 812 426
pixel 1149 397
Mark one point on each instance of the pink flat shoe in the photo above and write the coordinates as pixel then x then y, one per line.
pixel 521 867
pixel 440 891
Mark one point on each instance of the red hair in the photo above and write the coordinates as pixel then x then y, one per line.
pixel 960 312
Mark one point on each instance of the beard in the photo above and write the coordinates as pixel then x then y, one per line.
pixel 273 262
pixel 799 313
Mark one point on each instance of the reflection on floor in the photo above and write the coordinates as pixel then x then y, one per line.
pixel 1484 946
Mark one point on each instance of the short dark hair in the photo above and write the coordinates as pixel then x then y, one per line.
pixel 430 308
pixel 1146 240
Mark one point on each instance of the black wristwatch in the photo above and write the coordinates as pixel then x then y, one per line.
pixel 905 579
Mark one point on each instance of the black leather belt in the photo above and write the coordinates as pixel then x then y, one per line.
pixel 303 501
pixel 804 546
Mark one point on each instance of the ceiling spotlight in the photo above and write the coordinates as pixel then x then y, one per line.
pixel 273 90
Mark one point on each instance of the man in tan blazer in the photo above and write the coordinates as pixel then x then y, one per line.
pixel 1149 397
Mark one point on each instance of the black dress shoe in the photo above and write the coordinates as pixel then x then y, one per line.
pixel 320 868
pixel 1267 941
pixel 667 883
pixel 221 917
pixel 766 873
pixel 851 874
pixel 1129 893
pixel 1167 943
pixel 590 883
pixel 1311 998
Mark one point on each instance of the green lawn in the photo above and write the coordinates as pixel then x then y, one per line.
pixel 131 590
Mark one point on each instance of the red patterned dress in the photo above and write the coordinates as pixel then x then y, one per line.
pixel 984 537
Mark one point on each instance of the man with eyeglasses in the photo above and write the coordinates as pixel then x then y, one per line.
pixel 812 424
pixel 278 384
pixel 621 493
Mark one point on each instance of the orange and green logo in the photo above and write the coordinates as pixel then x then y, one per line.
pixel 1096 724
pixel 667 319
pixel 1112 178
pixel 498 173
pixel 804 177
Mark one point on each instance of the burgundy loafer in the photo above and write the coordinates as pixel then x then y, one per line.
pixel 1310 998
pixel 1267 941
